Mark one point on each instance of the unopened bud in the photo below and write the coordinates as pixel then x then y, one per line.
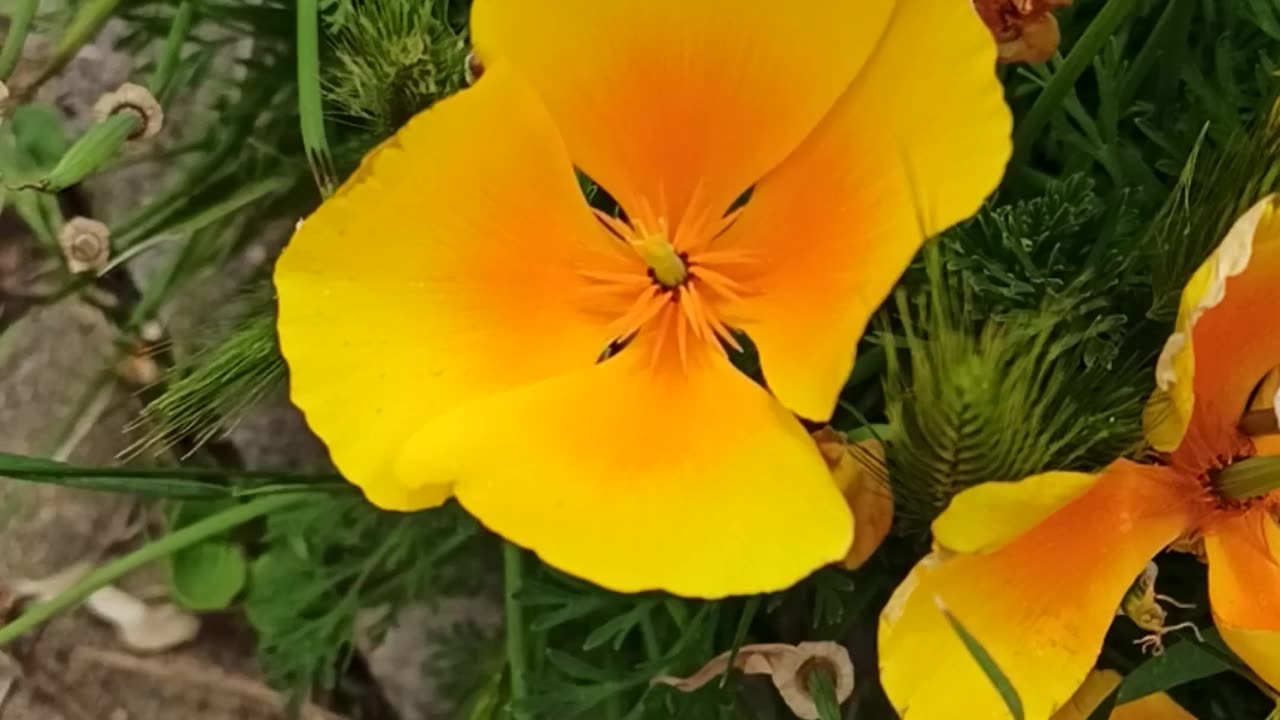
pixel 136 100
pixel 86 245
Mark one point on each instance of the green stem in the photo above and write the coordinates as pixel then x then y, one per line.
pixel 512 575
pixel 165 546
pixel 749 610
pixel 19 24
pixel 1091 43
pixel 172 52
pixel 822 689
pixel 1249 479
pixel 310 106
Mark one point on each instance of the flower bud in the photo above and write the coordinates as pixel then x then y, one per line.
pixel 86 245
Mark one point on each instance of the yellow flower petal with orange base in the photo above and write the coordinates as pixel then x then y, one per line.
pixel 1040 604
pixel 443 271
pixel 986 517
pixel 1099 684
pixel 639 474
pixel 1221 348
pixel 897 161
pixel 660 99
pixel 1243 553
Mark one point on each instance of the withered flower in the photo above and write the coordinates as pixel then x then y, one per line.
pixel 1025 30
pixel 788 666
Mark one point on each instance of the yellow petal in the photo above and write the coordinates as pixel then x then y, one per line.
pixel 1244 588
pixel 660 99
pixel 1099 684
pixel 1221 348
pixel 443 271
pixel 917 142
pixel 642 475
pixel 988 516
pixel 1040 604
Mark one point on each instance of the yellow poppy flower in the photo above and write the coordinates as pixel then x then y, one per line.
pixel 444 315
pixel 1037 569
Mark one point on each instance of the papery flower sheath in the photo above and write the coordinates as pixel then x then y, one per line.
pixel 1037 569
pixel 459 322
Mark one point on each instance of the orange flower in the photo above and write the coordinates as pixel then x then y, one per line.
pixel 1036 569
pixel 444 315
pixel 1026 30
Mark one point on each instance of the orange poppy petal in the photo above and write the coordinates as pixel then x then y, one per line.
pixel 641 476
pixel 914 145
pixel 660 99
pixel 1039 604
pixel 1222 347
pixel 1244 588
pixel 1099 684
pixel 444 270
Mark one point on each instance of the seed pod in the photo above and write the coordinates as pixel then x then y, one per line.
pixel 86 245
pixel 89 152
pixel 135 100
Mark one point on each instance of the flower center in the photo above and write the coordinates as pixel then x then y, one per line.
pixel 687 290
pixel 665 264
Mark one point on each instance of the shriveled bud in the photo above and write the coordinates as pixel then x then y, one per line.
pixel 86 245
pixel 474 68
pixel 859 471
pixel 134 99
pixel 788 666
pixel 1025 30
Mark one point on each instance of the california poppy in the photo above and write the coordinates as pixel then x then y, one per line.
pixel 458 322
pixel 1036 569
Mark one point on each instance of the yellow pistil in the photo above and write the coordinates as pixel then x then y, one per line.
pixel 661 257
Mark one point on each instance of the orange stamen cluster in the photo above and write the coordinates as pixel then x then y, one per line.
pixel 684 290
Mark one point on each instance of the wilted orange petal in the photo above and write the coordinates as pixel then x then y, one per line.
pixel 898 160
pixel 1040 604
pixel 443 271
pixel 1223 346
pixel 657 98
pixel 1244 588
pixel 860 472
pixel 642 475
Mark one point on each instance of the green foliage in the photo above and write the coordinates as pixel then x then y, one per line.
pixel 984 399
pixel 1212 192
pixel 391 59
pixel 209 391
pixel 208 576
pixel 326 560
pixel 1051 250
